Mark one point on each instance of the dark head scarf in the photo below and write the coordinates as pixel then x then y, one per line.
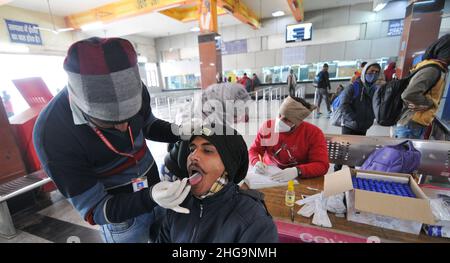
pixel 231 147
pixel 440 49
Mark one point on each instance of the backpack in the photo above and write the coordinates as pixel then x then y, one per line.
pixel 337 101
pixel 316 81
pixel 387 100
pixel 400 158
pixel 336 116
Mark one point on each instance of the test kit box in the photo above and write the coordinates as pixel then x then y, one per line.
pixel 380 209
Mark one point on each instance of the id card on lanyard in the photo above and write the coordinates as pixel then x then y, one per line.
pixel 138 183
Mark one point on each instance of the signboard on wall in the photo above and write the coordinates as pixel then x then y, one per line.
pixel 234 47
pixel 294 55
pixel 24 33
pixel 395 27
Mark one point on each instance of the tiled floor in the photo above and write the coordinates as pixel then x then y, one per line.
pixel 56 221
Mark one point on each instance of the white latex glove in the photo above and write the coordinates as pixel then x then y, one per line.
pixel 260 167
pixel 171 194
pixel 307 210
pixel 335 204
pixel 320 217
pixel 286 175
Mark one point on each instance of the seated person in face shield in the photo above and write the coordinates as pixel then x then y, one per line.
pixel 216 93
pixel 219 211
pixel 294 145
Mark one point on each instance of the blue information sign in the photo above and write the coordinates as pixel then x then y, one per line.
pixel 24 33
pixel 395 27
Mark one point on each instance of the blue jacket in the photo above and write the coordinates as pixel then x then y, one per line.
pixel 230 216
pixel 94 179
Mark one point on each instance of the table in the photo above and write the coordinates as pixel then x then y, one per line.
pixel 274 198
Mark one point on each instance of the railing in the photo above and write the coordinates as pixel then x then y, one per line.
pixel 165 105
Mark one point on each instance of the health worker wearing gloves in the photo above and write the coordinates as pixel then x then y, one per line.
pixel 90 140
pixel 292 144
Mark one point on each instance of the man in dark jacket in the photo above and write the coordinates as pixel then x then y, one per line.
pixel 357 111
pixel 323 85
pixel 90 140
pixel 219 211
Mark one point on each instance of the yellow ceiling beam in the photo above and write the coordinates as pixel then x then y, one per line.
pixel 297 9
pixel 187 13
pixel 122 9
pixel 241 11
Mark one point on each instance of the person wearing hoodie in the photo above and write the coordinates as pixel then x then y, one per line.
pixel 216 93
pixel 290 143
pixel 220 212
pixel 356 103
pixel 389 72
pixel 424 91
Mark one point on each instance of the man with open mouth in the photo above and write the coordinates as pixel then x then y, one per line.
pixel 219 210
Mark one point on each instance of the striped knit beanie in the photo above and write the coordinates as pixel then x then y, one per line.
pixel 104 80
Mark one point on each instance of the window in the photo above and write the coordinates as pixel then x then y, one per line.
pixel 12 66
pixel 152 74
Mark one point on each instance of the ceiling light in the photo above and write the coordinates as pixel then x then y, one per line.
pixel 92 26
pixel 379 7
pixel 4 47
pixel 195 29
pixel 278 13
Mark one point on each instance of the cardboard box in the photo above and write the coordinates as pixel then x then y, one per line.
pixel 403 208
pixel 406 226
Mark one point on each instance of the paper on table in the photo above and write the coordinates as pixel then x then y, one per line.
pixel 255 180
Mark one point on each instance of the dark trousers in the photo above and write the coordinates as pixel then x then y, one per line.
pixel 348 131
pixel 292 91
pixel 323 93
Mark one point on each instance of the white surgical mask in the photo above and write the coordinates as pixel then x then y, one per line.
pixel 280 126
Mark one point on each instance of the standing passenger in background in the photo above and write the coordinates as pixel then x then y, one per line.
pixel 389 72
pixel 292 83
pixel 246 82
pixel 357 111
pixel 256 81
pixel 219 77
pixel 323 85
pixel 424 91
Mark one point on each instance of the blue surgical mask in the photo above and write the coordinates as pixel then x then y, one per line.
pixel 371 77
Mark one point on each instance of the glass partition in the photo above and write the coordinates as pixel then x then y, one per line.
pixel 278 74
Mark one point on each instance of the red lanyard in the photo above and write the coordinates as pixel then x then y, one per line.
pixel 111 147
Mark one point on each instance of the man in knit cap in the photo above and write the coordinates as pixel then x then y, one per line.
pixel 220 211
pixel 90 140
pixel 290 143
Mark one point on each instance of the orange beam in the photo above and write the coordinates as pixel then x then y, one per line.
pixel 187 13
pixel 297 9
pixel 122 9
pixel 208 16
pixel 241 11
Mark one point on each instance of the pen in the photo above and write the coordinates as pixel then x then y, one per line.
pixel 292 214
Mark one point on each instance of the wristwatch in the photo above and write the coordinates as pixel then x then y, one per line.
pixel 299 172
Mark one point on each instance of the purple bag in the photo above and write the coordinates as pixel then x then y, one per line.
pixel 400 158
